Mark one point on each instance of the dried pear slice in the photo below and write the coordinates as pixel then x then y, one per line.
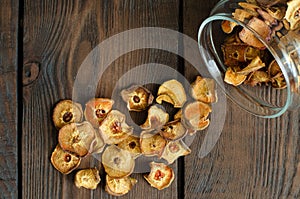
pixel 174 90
pixel 98 144
pixel 114 129
pixel 138 98
pixel 157 117
pixel 232 77
pixel 97 109
pixel 77 138
pixel 117 163
pixel 87 178
pixel 131 144
pixel 64 161
pixel 292 14
pixel 119 186
pixel 258 77
pixel 161 176
pixel 228 26
pixel 173 130
pixel 254 65
pixel 152 144
pixel 195 115
pixel 203 89
pixel 174 150
pixel 66 112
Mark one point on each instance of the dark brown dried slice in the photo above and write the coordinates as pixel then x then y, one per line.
pixel 175 149
pixel 234 54
pixel 152 144
pixel 173 130
pixel 119 186
pixel 138 98
pixel 203 89
pixel 77 138
pixel 64 161
pixel 66 112
pixel 96 110
pixel 117 162
pixel 161 176
pixel 114 129
pixel 87 178
pixel 131 144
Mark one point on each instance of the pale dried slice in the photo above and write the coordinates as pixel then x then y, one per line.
pixel 254 65
pixel 249 7
pixel 173 130
pixel 232 77
pixel 138 98
pixel 96 110
pixel 64 161
pixel 98 144
pixel 161 176
pixel 292 14
pixel 87 178
pixel 203 89
pixel 174 91
pixel 175 149
pixel 114 129
pixel 157 117
pixel 117 162
pixel 152 144
pixel 77 138
pixel 119 186
pixel 66 112
pixel 196 114
pixel 131 144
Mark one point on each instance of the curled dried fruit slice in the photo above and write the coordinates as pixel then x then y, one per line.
pixel 87 178
pixel 77 138
pixel 173 130
pixel 64 161
pixel 161 176
pixel 66 112
pixel 254 65
pixel 195 115
pixel 137 98
pixel 274 68
pixel 203 89
pixel 131 144
pixel 172 92
pixel 292 14
pixel 114 129
pixel 258 77
pixel 119 186
pixel 117 162
pixel 174 150
pixel 232 77
pixel 96 110
pixel 152 144
pixel 228 26
pixel 156 118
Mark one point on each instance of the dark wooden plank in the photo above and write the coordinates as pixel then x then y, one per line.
pixel 254 157
pixel 8 98
pixel 58 35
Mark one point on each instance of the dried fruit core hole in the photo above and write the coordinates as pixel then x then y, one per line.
pixel 136 99
pixel 117 161
pixel 68 158
pixel 159 175
pixel 100 113
pixel 116 127
pixel 67 117
pixel 132 145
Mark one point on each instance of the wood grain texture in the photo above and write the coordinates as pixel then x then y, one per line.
pixel 58 35
pixel 254 157
pixel 8 96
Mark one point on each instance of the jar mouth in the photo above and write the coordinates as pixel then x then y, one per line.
pixel 257 100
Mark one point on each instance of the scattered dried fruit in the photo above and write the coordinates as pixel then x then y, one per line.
pixel 157 117
pixel 203 89
pixel 119 186
pixel 87 178
pixel 173 130
pixel 96 110
pixel 64 161
pixel 131 144
pixel 114 129
pixel 117 162
pixel 172 92
pixel 161 176
pixel 175 149
pixel 66 112
pixel 137 98
pixel 232 77
pixel 152 144
pixel 77 138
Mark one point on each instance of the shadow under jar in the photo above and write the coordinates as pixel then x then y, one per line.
pixel 281 46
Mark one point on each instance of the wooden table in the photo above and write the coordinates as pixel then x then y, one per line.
pixel 43 44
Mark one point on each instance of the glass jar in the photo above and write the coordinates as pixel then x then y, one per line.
pixel 264 101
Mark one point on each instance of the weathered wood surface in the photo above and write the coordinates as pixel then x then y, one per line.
pixel 8 97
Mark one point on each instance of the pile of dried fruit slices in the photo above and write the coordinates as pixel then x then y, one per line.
pixel 106 132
